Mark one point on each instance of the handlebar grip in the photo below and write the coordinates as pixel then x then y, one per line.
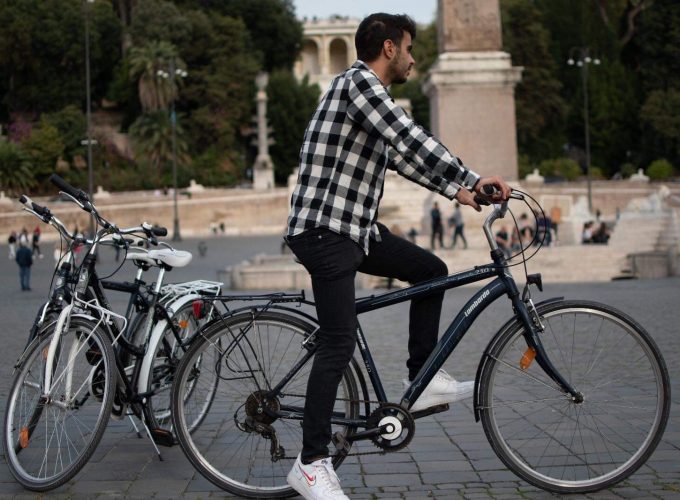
pixel 159 231
pixel 481 201
pixel 43 212
pixel 68 189
pixel 489 189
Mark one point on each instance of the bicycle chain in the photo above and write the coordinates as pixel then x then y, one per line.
pixel 361 401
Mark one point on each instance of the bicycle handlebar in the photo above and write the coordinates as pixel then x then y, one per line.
pixel 42 212
pixel 64 186
pixel 499 212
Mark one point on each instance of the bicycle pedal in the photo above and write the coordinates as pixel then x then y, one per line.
pixel 162 437
pixel 430 411
pixel 341 444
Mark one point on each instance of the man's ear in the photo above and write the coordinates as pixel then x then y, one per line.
pixel 389 48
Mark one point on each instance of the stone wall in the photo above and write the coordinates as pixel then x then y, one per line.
pixel 242 211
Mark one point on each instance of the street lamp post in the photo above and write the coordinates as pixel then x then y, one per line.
pixel 88 109
pixel 582 60
pixel 172 74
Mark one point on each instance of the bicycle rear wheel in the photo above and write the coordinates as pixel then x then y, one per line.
pixel 553 442
pixel 48 439
pixel 168 353
pixel 239 446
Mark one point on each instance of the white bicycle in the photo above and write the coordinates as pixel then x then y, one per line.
pixel 86 363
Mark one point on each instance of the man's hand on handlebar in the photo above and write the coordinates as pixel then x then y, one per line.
pixel 501 188
pixel 501 192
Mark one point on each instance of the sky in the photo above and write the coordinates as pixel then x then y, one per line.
pixel 421 10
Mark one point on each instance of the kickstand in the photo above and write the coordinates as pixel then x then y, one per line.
pixel 132 421
pixel 148 433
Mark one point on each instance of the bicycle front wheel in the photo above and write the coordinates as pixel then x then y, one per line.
pixel 250 432
pixel 550 440
pixel 50 437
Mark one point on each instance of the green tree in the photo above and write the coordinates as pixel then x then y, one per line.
pixel 660 170
pixel 158 20
pixel 156 91
pixel 152 141
pixel 44 147
pixel 661 112
pixel 42 53
pixel 614 115
pixel 659 42
pixel 219 92
pixel 560 167
pixel 72 127
pixel 290 106
pixel 16 175
pixel 276 32
pixel 540 109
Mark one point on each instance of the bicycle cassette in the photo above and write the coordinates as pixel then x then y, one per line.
pixel 400 432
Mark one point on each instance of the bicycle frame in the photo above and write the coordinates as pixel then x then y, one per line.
pixel 503 284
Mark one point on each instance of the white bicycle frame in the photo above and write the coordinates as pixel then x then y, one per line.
pixel 157 336
pixel 63 324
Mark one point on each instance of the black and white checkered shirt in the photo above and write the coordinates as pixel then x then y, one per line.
pixel 356 133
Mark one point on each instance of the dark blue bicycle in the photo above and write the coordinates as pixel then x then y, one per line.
pixel 573 395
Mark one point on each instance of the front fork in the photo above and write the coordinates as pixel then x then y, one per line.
pixel 533 327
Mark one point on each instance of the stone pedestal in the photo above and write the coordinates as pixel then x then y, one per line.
pixel 472 109
pixel 263 173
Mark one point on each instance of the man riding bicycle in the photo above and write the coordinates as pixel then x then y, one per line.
pixel 356 133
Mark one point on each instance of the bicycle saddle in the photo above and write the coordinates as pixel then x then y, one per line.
pixel 172 258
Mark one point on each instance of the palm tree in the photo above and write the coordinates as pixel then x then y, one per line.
pixel 155 92
pixel 15 168
pixel 151 137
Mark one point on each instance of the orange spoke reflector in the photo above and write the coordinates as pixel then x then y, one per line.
pixel 528 357
pixel 45 352
pixel 183 323
pixel 23 437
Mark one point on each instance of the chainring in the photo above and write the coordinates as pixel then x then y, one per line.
pixel 404 426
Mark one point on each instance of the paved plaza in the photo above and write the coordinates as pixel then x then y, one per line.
pixel 452 456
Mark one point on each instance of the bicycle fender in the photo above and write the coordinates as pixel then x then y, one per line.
pixel 38 337
pixel 156 336
pixel 492 343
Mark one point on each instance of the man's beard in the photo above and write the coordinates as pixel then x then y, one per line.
pixel 399 76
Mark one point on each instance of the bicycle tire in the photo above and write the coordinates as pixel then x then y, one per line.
pixel 248 346
pixel 546 437
pixel 168 354
pixel 76 419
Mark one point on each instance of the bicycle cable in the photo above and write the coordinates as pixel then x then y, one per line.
pixel 534 239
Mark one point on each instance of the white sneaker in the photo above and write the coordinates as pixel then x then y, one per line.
pixel 443 388
pixel 316 481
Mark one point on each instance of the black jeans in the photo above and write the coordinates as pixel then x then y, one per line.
pixel 333 261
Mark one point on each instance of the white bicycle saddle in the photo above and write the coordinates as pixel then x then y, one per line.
pixel 172 258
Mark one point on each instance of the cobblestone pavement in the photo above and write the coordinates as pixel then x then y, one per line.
pixel 449 456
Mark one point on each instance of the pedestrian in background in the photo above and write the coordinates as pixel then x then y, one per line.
pixel 437 226
pixel 36 242
pixel 24 259
pixel 12 242
pixel 456 221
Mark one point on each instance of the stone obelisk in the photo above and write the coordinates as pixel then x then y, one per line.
pixel 471 88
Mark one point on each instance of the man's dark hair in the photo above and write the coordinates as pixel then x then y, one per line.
pixel 376 28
